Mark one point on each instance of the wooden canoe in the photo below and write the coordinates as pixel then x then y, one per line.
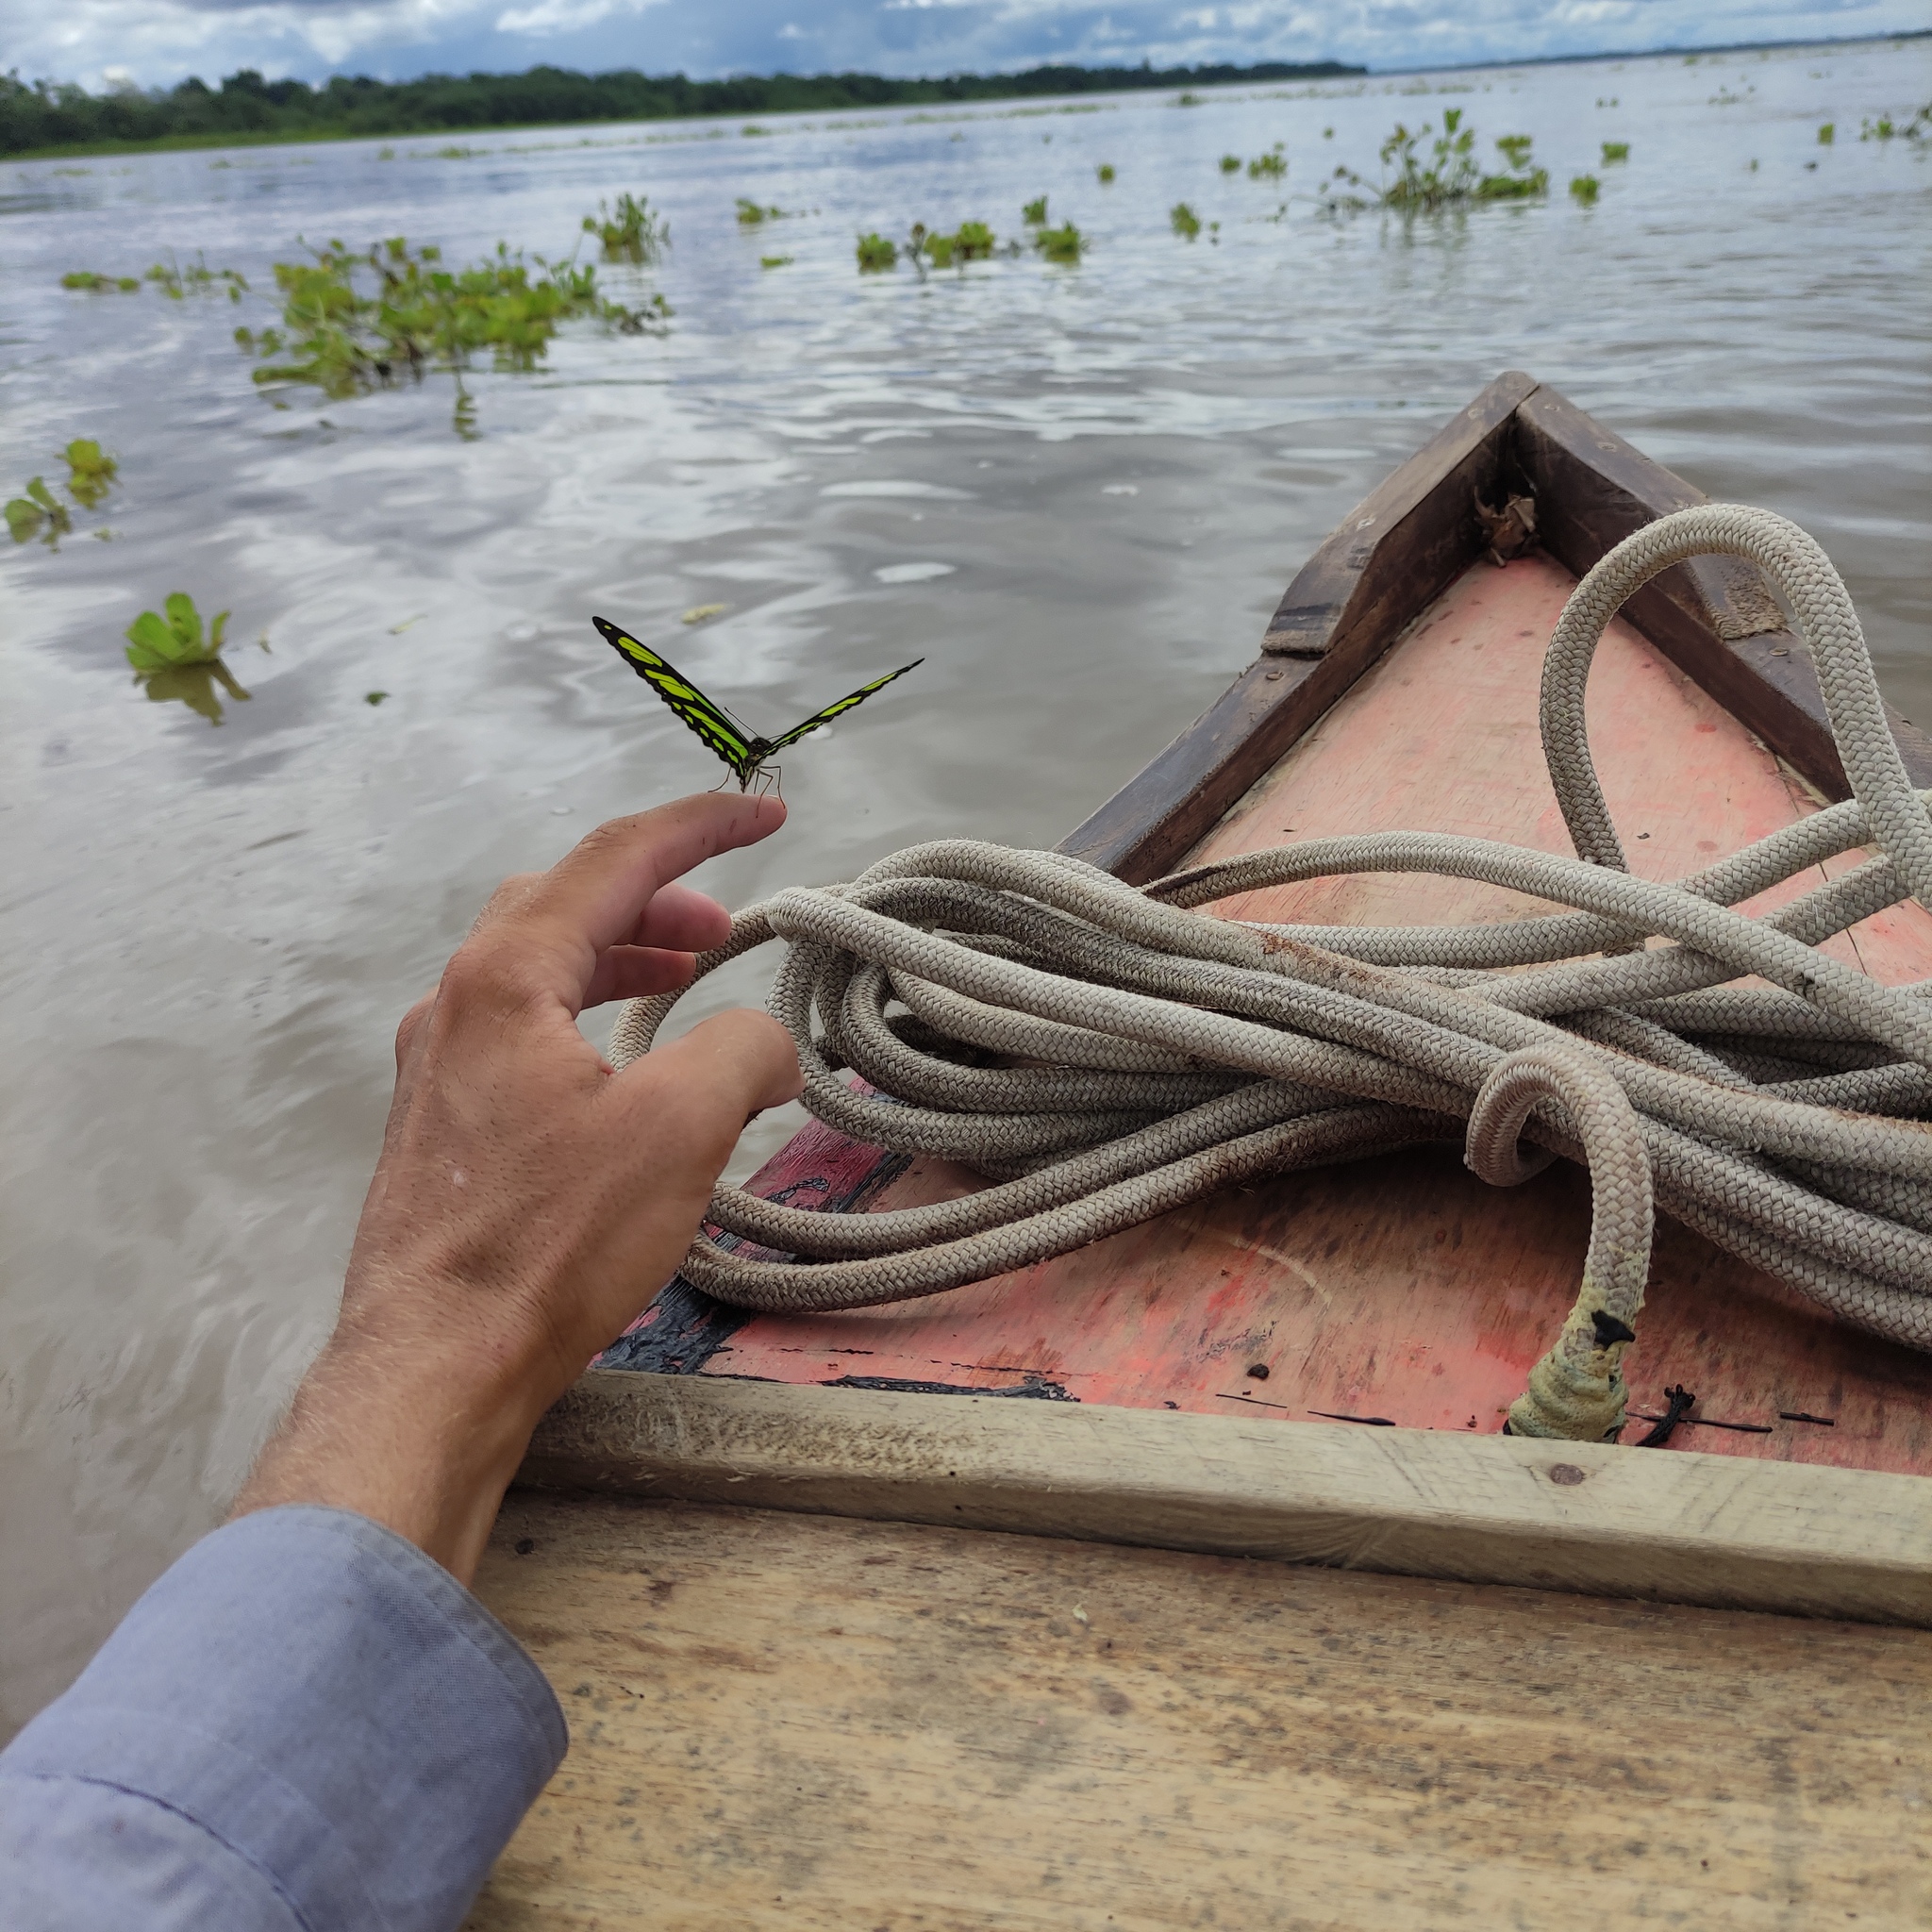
pixel 1309 1370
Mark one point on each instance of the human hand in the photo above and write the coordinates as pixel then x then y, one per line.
pixel 528 1201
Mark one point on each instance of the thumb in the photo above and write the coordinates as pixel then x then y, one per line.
pixel 693 1096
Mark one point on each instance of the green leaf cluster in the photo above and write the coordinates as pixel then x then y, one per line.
pixel 357 319
pixel 751 214
pixel 1271 166
pixel 89 470
pixel 970 242
pixel 1186 222
pixel 26 514
pixel 1586 188
pixel 1230 165
pixel 158 643
pixel 1448 175
pixel 1616 151
pixel 1522 180
pixel 178 283
pixel 876 253
pixel 1063 245
pixel 93 284
pixel 177 660
pixel 1105 174
pixel 1034 214
pixel 632 231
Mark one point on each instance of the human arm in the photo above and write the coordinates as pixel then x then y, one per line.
pixel 307 1723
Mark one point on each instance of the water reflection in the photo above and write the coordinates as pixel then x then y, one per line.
pixel 197 686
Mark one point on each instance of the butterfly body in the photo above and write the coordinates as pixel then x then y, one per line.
pixel 747 755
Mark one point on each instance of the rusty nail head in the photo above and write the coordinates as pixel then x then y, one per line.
pixel 1567 1474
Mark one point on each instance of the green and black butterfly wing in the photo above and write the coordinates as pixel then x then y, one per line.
pixel 845 704
pixel 712 723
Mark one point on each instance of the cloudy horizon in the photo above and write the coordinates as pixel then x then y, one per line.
pixel 158 42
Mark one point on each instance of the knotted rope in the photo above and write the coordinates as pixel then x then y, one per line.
pixel 1104 1054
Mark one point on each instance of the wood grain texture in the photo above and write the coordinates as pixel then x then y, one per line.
pixel 836 1726
pixel 1677 1529
pixel 1400 546
pixel 1714 618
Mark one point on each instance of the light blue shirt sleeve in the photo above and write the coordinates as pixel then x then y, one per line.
pixel 306 1725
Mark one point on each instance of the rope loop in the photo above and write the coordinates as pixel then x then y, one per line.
pixel 1103 1053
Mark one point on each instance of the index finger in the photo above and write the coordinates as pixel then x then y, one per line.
pixel 595 895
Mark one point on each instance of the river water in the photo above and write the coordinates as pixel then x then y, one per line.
pixel 1076 492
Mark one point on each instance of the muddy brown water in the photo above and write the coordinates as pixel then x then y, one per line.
pixel 1077 492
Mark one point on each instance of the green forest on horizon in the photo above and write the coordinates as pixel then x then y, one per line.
pixel 50 115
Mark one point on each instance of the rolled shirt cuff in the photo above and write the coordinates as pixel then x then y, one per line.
pixel 318 1708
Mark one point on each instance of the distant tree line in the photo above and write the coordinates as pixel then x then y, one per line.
pixel 44 114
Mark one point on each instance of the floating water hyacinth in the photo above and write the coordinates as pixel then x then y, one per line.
pixel 93 284
pixel 632 231
pixel 1063 245
pixel 1034 214
pixel 37 509
pixel 1269 167
pixel 876 253
pixel 1103 172
pixel 177 660
pixel 1616 151
pixel 1448 175
pixel 1585 189
pixel 1184 221
pixel 89 470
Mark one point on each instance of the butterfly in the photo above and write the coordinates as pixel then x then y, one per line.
pixel 746 753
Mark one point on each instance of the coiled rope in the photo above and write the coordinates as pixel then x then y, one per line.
pixel 1106 1054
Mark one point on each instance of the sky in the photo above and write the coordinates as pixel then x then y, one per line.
pixel 156 42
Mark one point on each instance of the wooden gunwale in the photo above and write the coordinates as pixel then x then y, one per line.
pixel 804 1447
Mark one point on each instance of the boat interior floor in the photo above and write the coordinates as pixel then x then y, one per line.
pixel 1404 1291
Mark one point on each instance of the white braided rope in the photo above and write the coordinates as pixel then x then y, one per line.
pixel 1107 1054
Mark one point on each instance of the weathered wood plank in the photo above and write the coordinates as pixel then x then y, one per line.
pixel 1405 542
pixel 1671 1527
pixel 821 1726
pixel 1714 619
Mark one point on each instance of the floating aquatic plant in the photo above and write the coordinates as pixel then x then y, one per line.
pixel 1448 177
pixel 1187 100
pixel 176 659
pixel 1828 133
pixel 1230 165
pixel 178 283
pixel 1105 173
pixel 1520 179
pixel 1585 189
pixel 775 261
pixel 1269 167
pixel 1616 151
pixel 359 320
pixel 632 231
pixel 971 242
pixel 1034 214
pixel 39 507
pixel 89 470
pixel 100 285
pixel 750 215
pixel 876 253
pixel 1184 221
pixel 1064 244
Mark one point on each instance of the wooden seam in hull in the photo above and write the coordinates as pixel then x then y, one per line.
pixel 1671 1526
